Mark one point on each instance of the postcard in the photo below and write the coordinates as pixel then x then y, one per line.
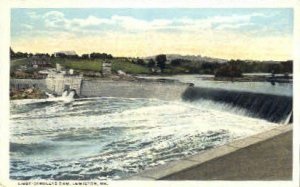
pixel 142 95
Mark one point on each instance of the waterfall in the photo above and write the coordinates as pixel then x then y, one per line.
pixel 273 108
pixel 49 95
pixel 71 94
pixel 289 119
pixel 65 93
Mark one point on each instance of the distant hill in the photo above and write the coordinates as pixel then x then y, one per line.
pixel 194 58
pixel 199 58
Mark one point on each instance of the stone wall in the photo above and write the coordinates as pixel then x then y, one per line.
pixel 27 83
pixel 101 88
pixel 135 89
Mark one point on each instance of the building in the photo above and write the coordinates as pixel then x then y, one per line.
pixel 106 69
pixel 39 61
pixel 59 81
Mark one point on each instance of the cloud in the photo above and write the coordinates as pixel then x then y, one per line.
pixel 234 36
pixel 33 15
pixel 27 26
pixel 56 19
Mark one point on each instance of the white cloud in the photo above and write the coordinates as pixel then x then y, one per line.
pixel 27 26
pixel 53 14
pixel 210 36
pixel 33 15
pixel 233 26
pixel 56 19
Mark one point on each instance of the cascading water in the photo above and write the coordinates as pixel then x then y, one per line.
pixel 110 137
pixel 100 138
pixel 65 93
pixel 274 108
pixel 71 94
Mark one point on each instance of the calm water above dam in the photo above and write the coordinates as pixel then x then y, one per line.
pixel 256 87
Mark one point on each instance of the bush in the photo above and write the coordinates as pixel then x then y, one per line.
pixel 228 71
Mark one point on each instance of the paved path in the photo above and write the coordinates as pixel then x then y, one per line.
pixel 267 160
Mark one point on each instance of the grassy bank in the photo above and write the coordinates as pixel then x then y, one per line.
pixel 81 64
pixel 128 67
pixel 15 63
pixel 91 65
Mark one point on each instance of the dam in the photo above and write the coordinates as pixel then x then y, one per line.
pixel 118 129
pixel 271 107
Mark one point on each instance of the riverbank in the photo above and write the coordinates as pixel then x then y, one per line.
pixel 254 78
pixel 29 93
pixel 265 156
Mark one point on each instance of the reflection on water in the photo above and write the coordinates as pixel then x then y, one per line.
pixel 257 87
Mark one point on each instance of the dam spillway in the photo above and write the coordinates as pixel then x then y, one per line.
pixel 274 108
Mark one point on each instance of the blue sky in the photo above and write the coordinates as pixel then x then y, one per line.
pixel 121 29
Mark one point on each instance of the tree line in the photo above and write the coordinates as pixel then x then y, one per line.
pixel 93 55
pixel 230 68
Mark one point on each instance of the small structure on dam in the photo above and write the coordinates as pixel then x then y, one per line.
pixel 106 69
pixel 59 81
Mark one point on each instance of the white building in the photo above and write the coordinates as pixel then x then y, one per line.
pixel 58 82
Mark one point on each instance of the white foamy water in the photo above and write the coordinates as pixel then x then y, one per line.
pixel 98 138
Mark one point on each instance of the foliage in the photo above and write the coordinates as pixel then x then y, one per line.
pixel 151 63
pixel 17 63
pixel 140 62
pixel 176 62
pixel 161 61
pixel 229 70
pixel 85 56
pixel 93 62
pixel 100 56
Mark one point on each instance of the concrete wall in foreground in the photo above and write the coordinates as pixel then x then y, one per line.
pixel 134 89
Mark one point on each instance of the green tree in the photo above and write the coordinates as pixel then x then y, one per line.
pixel 140 62
pixel 176 62
pixel 85 56
pixel 151 63
pixel 231 69
pixel 161 61
pixel 12 53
